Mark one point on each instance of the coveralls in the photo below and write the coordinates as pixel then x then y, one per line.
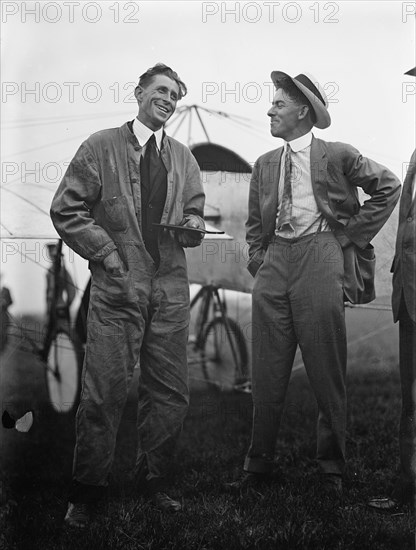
pixel 142 313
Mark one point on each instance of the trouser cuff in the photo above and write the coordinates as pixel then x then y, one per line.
pixel 403 491
pixel 258 465
pixel 155 485
pixel 331 467
pixel 86 494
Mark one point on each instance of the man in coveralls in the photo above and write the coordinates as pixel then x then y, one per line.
pixel 308 238
pixel 120 182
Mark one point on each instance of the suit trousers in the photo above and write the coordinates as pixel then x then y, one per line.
pixel 298 300
pixel 405 487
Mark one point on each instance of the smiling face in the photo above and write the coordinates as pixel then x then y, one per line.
pixel 287 117
pixel 157 101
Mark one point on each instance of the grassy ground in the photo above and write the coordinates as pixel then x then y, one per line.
pixel 290 514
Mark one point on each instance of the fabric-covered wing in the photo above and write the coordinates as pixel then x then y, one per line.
pixel 25 211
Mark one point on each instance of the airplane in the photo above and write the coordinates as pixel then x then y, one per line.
pixel 217 338
pixel 219 344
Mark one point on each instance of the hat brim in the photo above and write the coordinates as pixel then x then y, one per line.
pixel 323 119
pixel 411 72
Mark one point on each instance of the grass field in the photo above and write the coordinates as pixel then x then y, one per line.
pixel 290 514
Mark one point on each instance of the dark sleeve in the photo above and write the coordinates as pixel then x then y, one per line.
pixel 254 226
pixel 380 184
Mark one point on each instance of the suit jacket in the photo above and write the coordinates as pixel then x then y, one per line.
pixel 404 263
pixel 337 169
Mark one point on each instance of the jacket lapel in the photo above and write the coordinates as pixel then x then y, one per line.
pixel 274 175
pixel 270 191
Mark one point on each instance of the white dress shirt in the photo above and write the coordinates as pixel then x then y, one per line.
pixel 306 218
pixel 143 133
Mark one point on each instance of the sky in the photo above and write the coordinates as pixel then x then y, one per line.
pixel 69 69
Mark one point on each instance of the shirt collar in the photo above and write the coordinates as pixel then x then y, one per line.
pixel 300 143
pixel 143 133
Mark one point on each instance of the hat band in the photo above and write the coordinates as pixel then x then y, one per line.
pixel 311 86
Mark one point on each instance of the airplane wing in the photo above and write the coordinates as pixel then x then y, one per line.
pixel 25 211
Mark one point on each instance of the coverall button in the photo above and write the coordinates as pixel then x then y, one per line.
pixel 410 219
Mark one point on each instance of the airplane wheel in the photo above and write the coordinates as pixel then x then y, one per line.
pixel 63 370
pixel 219 365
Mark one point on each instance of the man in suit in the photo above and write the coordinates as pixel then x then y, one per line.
pixel 120 183
pixel 404 311
pixel 309 250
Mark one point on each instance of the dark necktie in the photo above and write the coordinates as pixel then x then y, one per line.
pixel 285 214
pixel 150 156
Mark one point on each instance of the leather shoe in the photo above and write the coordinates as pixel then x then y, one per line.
pixel 387 505
pixel 384 504
pixel 165 503
pixel 78 515
pixel 248 481
pixel 403 492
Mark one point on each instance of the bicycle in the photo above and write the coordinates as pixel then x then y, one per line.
pixel 61 352
pixel 218 344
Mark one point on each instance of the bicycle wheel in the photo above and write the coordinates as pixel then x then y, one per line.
pixel 62 370
pixel 219 364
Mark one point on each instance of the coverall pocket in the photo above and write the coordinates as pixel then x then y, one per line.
pixel 119 287
pixel 113 288
pixel 116 213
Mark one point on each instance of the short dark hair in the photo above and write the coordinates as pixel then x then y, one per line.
pixel 160 68
pixel 295 94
